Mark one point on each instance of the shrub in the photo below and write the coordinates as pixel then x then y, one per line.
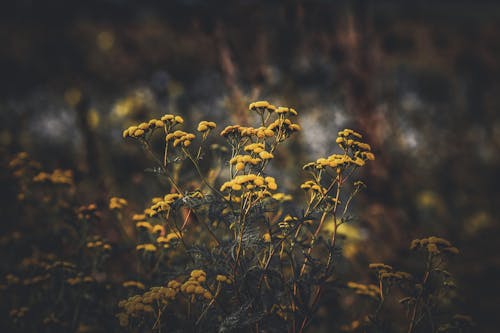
pixel 221 250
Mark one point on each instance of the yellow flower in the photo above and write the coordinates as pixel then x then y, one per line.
pixel 259 104
pixel 146 247
pixel 266 237
pixel 138 133
pixel 271 183
pixel 138 217
pixel 286 110
pixel 198 272
pixel 282 197
pixel 204 126
pixel 167 117
pixel 221 278
pixel 265 155
pixel 240 166
pixel 117 203
pixel 157 228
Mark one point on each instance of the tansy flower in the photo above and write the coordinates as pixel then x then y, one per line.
pixel 205 126
pixel 158 229
pixel 286 110
pixel 266 238
pixel 180 138
pixel 223 278
pixel 146 247
pixel 172 119
pixel 265 155
pixel 260 106
pixel 117 203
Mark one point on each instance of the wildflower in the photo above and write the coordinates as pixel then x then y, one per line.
pixel 172 119
pixel 255 148
pixel 58 176
pixel 198 272
pixel 117 203
pixel 138 217
pixel 173 284
pixel 346 132
pixel 266 238
pixel 286 110
pixel 369 290
pixel 266 155
pixel 261 106
pixel 368 156
pixel 205 126
pixel 144 225
pixel 230 130
pixel 264 132
pixel 158 229
pixel 146 247
pixel 432 248
pixel 166 240
pixel 180 138
pixel 282 197
pixel 240 166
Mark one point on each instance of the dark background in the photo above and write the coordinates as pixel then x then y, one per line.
pixel 420 79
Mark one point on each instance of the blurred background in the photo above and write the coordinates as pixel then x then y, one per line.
pixel 420 79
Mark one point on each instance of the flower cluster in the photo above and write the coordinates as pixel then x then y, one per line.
pixel 310 185
pixel 284 125
pixel 223 279
pixel 258 149
pixel 98 244
pixel 180 138
pixel 58 176
pixel 18 313
pixel 139 131
pixel 36 279
pixel 240 161
pixel 193 285
pixel 166 241
pixel 385 272
pixel 79 279
pixel 22 164
pixel 286 111
pixel 117 203
pixel 261 106
pixel 348 139
pixel 235 132
pixel 251 182
pixel 88 212
pixel 282 197
pixel 369 290
pixel 206 126
pixel 136 306
pixel 162 204
pixel 148 247
pixel 434 245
